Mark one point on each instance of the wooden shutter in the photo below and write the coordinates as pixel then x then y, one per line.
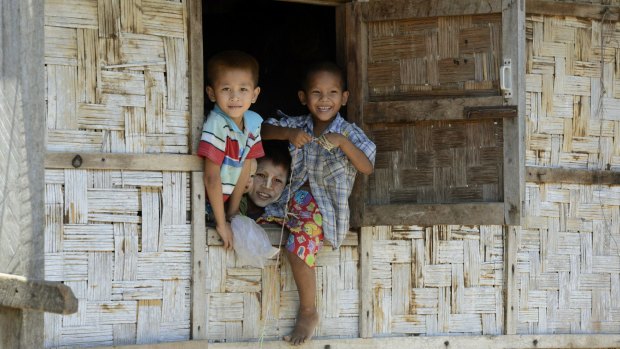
pixel 425 85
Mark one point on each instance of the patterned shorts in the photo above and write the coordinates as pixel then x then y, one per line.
pixel 306 226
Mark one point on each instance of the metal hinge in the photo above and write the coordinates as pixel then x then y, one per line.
pixel 505 78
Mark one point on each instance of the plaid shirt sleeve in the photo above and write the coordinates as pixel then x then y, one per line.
pixel 361 141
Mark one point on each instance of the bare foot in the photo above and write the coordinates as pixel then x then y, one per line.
pixel 304 327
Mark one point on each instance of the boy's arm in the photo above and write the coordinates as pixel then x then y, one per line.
pixel 213 186
pixel 235 197
pixel 296 136
pixel 358 158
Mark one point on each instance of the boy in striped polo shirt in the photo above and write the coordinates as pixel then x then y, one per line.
pixel 230 135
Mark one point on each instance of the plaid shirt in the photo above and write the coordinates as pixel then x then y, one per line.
pixel 330 174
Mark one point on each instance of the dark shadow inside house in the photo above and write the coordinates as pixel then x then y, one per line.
pixel 283 36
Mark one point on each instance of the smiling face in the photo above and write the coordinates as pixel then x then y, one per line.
pixel 268 184
pixel 234 92
pixel 323 95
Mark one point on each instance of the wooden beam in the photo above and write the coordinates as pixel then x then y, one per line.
pixel 513 48
pixel 511 300
pixel 575 176
pixel 428 109
pixel 199 258
pixel 46 296
pixel 319 2
pixel 573 9
pixel 366 314
pixel 483 213
pixel 196 72
pixel 406 9
pixel 129 162
pixel 356 47
pixel 500 112
pixel 274 232
pixel 22 145
pixel 430 342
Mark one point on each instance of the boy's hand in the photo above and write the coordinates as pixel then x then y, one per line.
pixel 299 138
pixel 336 139
pixel 226 234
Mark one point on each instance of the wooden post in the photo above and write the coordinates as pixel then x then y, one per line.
pixel 366 307
pixel 199 232
pixel 22 135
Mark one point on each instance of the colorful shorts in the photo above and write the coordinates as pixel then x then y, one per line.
pixel 306 227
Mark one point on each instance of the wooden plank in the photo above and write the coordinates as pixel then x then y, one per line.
pixel 429 109
pixel 137 162
pixel 513 47
pixel 196 73
pixel 22 145
pixel 482 213
pixel 503 112
pixel 319 2
pixel 366 296
pixel 511 300
pixel 404 9
pixel 356 43
pixel 46 296
pixel 199 259
pixel 570 8
pixel 461 342
pixel 274 233
pixel 538 174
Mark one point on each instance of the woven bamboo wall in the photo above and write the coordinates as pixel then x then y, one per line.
pixel 437 280
pixel 438 162
pixel 117 82
pixel 249 303
pixel 441 55
pixel 568 267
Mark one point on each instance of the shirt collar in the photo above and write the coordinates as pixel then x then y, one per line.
pixel 228 119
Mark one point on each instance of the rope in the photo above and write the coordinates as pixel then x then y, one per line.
pixel 286 214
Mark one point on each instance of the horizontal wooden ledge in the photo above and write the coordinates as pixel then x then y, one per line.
pixel 407 9
pixel 482 213
pixel 435 110
pixel 47 296
pixel 274 232
pixel 591 11
pixel 132 162
pixel 538 174
pixel 434 342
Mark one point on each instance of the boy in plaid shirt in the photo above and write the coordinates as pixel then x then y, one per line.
pixel 331 151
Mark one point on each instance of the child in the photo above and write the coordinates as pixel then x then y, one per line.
pixel 230 135
pixel 268 181
pixel 331 152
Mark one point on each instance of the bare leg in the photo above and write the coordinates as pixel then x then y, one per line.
pixel 308 317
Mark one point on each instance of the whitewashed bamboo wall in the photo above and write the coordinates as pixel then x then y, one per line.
pixel 117 82
pixel 437 280
pixel 568 257
pixel 250 303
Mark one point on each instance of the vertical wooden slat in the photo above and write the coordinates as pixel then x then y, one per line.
pixel 356 49
pixel 366 296
pixel 511 305
pixel 199 259
pixel 513 47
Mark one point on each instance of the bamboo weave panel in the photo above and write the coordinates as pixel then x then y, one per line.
pixel 437 280
pixel 122 242
pixel 457 55
pixel 568 260
pixel 573 101
pixel 438 162
pixel 246 303
pixel 117 76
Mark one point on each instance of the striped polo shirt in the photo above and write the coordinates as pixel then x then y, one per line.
pixel 225 144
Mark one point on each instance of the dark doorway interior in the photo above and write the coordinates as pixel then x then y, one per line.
pixel 282 36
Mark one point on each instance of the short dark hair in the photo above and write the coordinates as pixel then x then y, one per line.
pixel 277 152
pixel 322 66
pixel 231 59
